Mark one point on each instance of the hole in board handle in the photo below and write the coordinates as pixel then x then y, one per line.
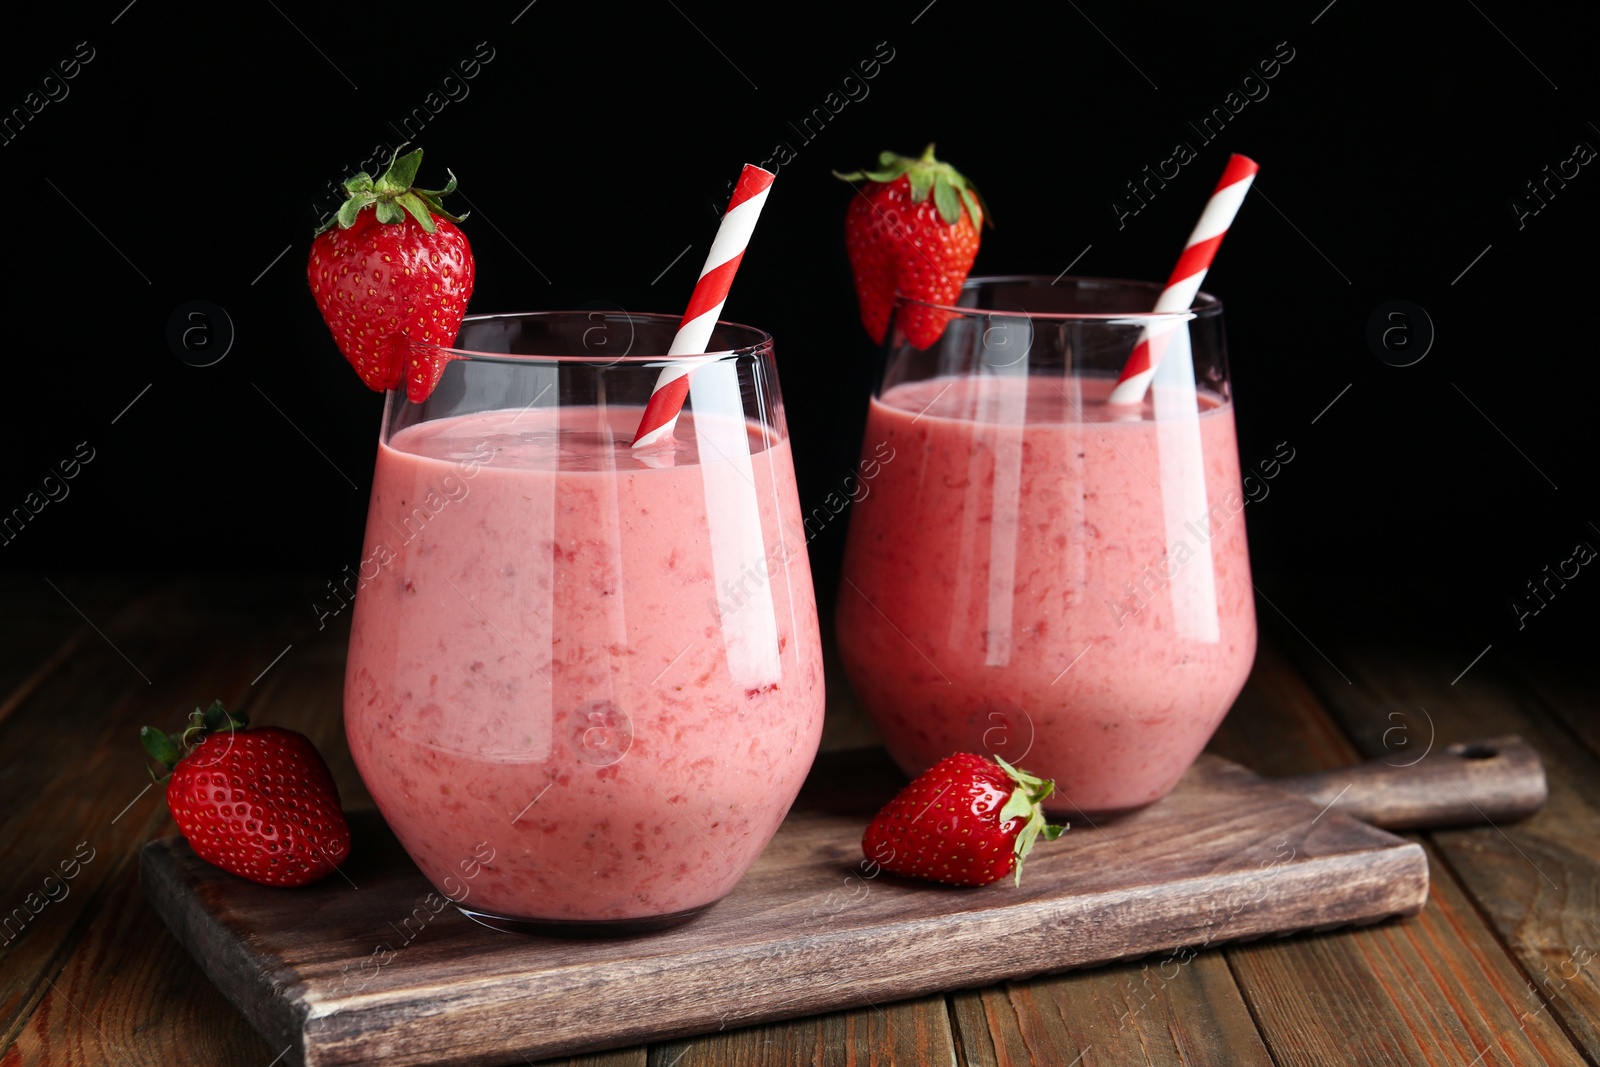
pixel 1475 751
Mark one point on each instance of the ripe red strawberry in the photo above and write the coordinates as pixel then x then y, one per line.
pixel 902 239
pixel 258 802
pixel 967 820
pixel 391 276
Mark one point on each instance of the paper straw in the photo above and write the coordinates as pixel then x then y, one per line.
pixel 1186 277
pixel 710 293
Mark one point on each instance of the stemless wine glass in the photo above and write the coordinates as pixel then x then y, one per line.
pixel 585 683
pixel 1036 573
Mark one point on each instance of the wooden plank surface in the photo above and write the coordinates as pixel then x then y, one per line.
pixel 847 1037
pixel 1164 1010
pixel 120 990
pixel 130 995
pixel 72 752
pixel 1155 1012
pixel 1421 991
pixel 1535 881
pixel 1122 1013
pixel 43 621
pixel 908 1032
pixel 1223 857
pixel 1436 988
pixel 1564 694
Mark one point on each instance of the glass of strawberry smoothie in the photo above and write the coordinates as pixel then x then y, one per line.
pixel 1037 574
pixel 585 683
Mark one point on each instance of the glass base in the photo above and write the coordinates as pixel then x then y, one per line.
pixel 586 928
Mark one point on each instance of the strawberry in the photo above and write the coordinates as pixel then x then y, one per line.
pixel 256 802
pixel 393 283
pixel 901 239
pixel 967 820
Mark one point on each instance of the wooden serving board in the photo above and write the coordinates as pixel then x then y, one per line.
pixel 336 974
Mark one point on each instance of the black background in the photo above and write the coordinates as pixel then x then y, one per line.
pixel 599 140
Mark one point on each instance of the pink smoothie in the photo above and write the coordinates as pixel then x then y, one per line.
pixel 582 687
pixel 1033 577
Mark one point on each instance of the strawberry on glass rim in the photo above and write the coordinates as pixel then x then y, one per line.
pixel 392 274
pixel 913 228
pixel 259 802
pixel 967 820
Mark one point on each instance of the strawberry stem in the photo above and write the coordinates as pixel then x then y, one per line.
pixel 169 749
pixel 950 188
pixel 160 747
pixel 392 196
pixel 1026 801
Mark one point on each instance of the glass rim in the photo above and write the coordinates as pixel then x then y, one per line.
pixel 1204 303
pixel 763 341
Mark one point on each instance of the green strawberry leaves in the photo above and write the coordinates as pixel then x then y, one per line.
pixel 352 207
pixel 392 196
pixel 1024 802
pixel 950 189
pixel 949 202
pixel 921 182
pixel 974 205
pixel 169 750
pixel 418 208
pixel 160 746
pixel 401 173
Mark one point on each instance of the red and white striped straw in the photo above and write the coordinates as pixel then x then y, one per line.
pixel 705 305
pixel 1186 277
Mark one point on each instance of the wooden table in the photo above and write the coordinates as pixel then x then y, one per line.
pixel 1498 969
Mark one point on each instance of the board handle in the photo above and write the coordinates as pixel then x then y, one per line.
pixel 1464 784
